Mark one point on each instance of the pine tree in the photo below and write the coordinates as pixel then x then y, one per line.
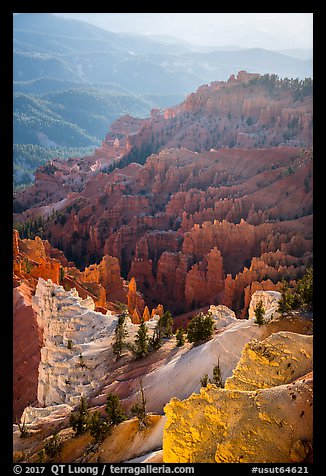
pixel 217 376
pixel 166 324
pixel 41 456
pixel 141 340
pixel 285 302
pixel 259 313
pixel 114 409
pixel 61 274
pixel 53 446
pixel 180 336
pixel 304 289
pixel 78 418
pixel 156 340
pixel 204 381
pixel 139 408
pixel 97 426
pixel 120 335
pixel 22 429
pixel 200 328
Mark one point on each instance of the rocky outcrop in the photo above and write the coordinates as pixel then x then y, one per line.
pixel 225 347
pixel 204 281
pixel 102 282
pixel 135 302
pixel 107 274
pixel 74 344
pixel 36 417
pixel 31 260
pixel 229 171
pixel 281 358
pixel 168 372
pixel 27 338
pixel 77 354
pixel 264 413
pixel 269 299
pixel 126 441
pixel 222 315
pixel 233 426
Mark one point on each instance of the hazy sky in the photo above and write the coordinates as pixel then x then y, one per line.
pixel 266 30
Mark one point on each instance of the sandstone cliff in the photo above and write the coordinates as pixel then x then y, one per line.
pixel 258 417
pixel 291 354
pixel 233 426
pixel 76 357
pixel 236 152
pixel 26 357
pixel 77 344
pixel 74 336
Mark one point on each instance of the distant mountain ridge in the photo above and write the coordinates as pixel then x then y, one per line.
pixel 77 79
pixel 56 42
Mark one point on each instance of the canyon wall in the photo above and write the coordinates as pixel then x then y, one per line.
pixel 204 203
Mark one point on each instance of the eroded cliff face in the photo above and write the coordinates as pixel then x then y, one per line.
pixel 102 282
pixel 264 413
pixel 74 344
pixel 281 358
pixel 76 358
pixel 175 245
pixel 76 354
pixel 36 258
pixel 233 426
pixel 270 301
pixel 213 196
pixel 26 358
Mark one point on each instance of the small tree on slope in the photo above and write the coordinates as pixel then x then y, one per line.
pixel 200 328
pixel 217 376
pixel 141 340
pixel 79 418
pixel 180 336
pixel 259 313
pixel 139 408
pixel 114 409
pixel 120 335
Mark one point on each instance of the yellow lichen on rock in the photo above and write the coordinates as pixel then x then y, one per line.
pixel 184 420
pixel 239 426
pixel 258 417
pixel 279 359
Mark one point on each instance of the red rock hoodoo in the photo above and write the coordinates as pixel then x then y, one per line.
pixel 202 204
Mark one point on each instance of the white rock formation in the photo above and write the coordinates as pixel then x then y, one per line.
pixel 180 376
pixel 270 301
pixel 77 344
pixel 222 315
pixel 38 416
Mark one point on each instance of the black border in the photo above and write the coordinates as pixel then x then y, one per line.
pixel 6 202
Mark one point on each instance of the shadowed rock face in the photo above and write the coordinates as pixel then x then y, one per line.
pixel 27 339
